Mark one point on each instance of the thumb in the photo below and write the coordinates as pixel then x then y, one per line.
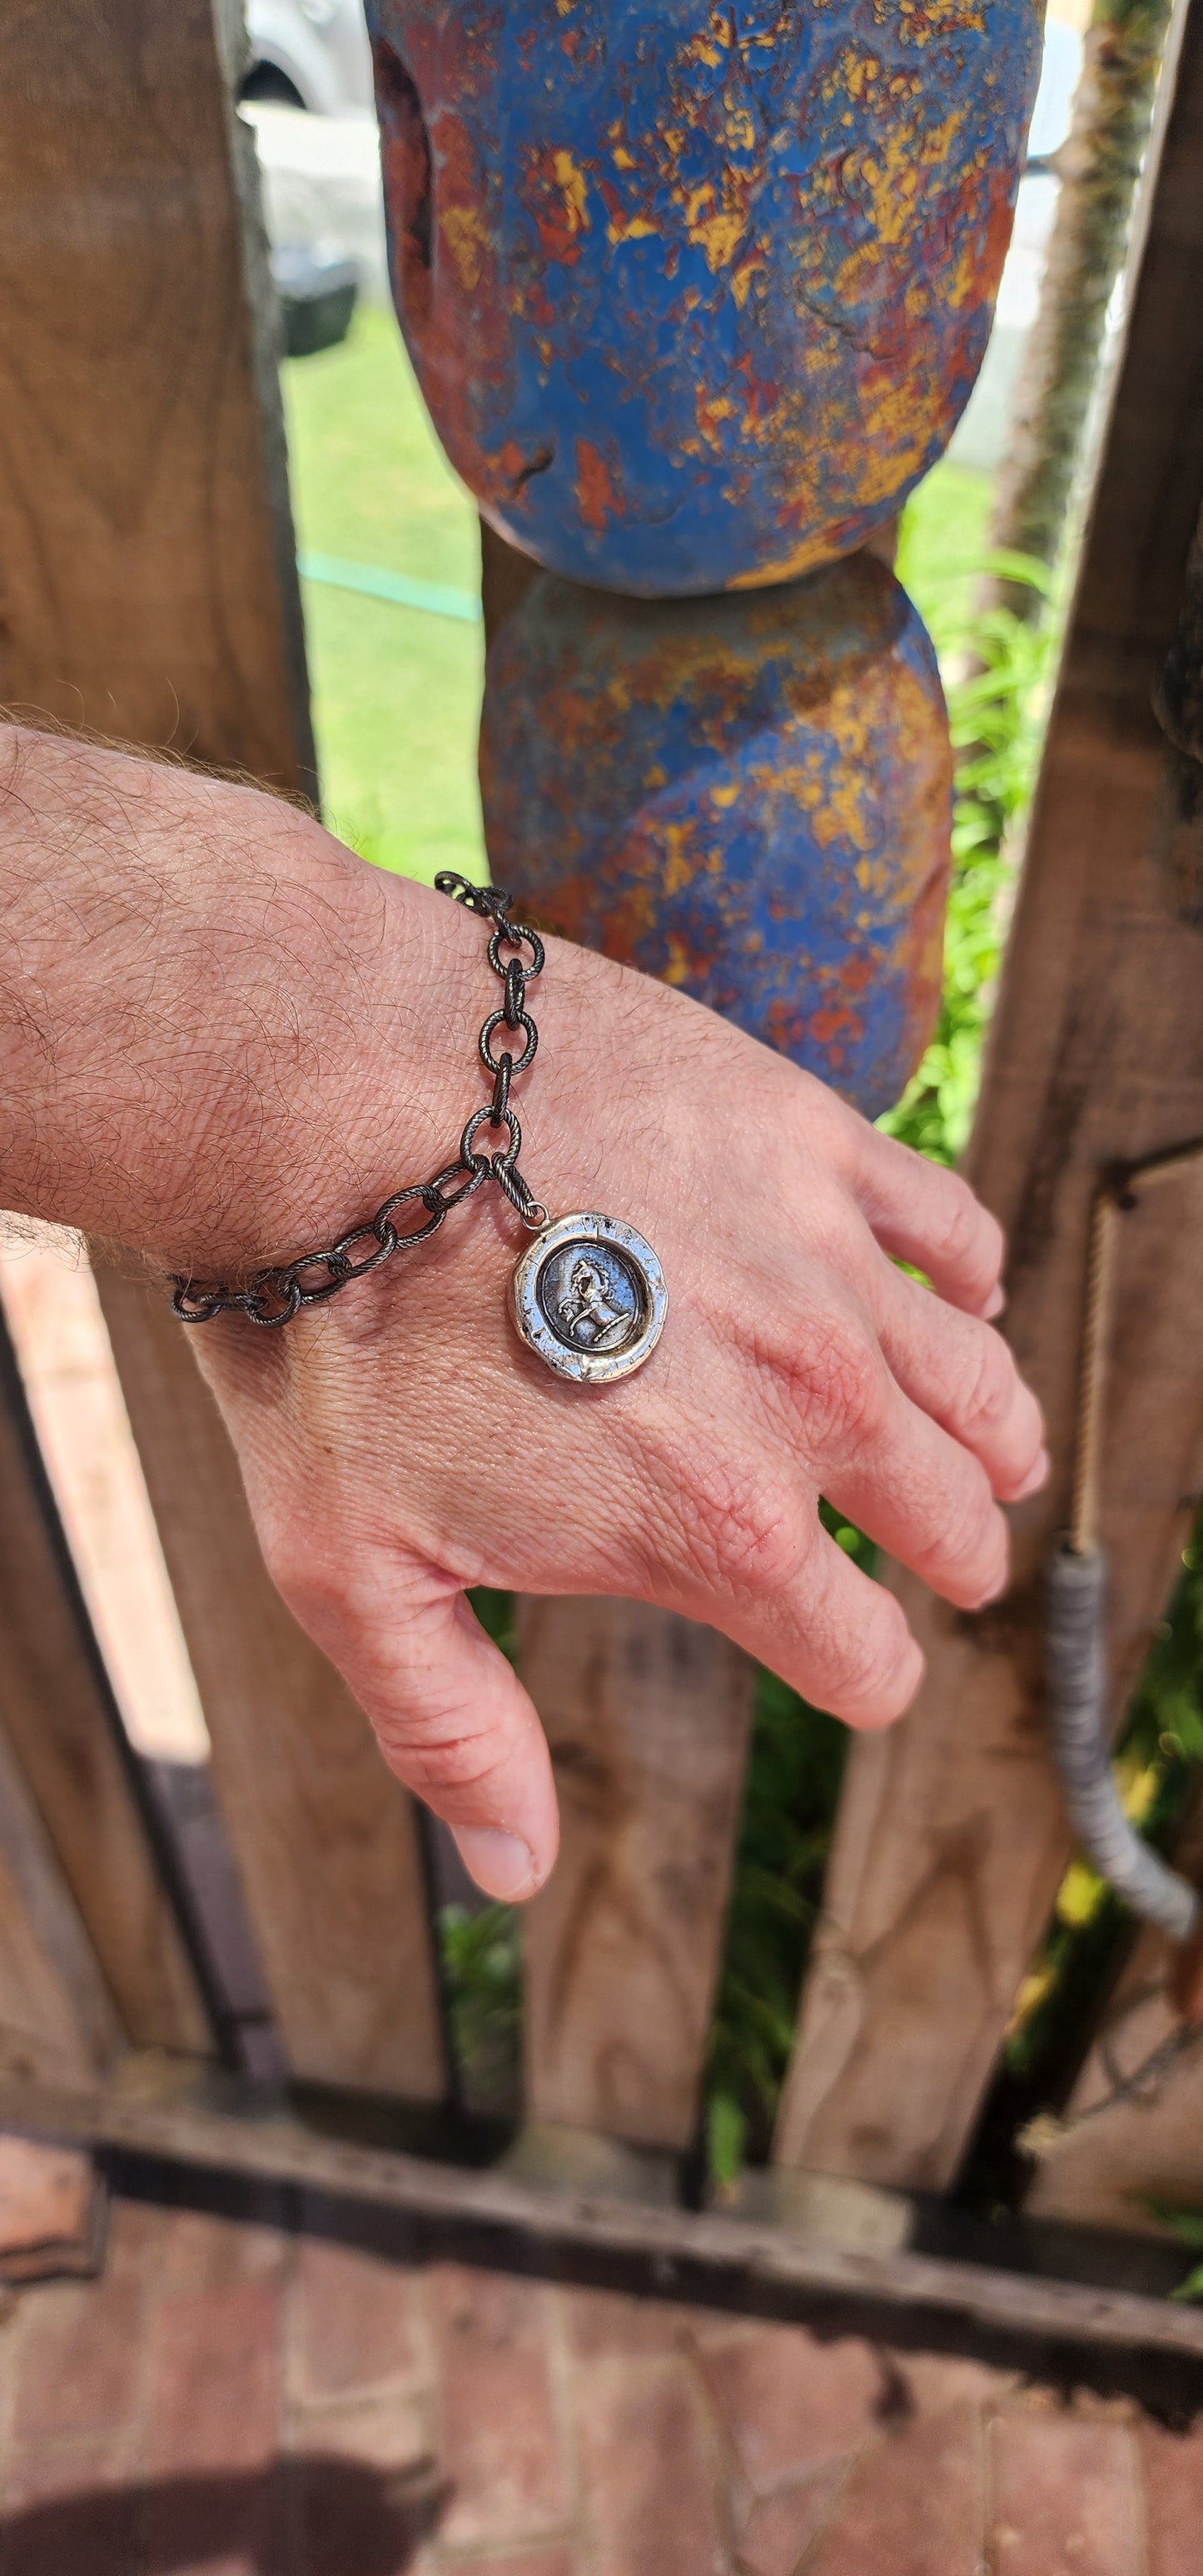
pixel 452 1719
pixel 461 1731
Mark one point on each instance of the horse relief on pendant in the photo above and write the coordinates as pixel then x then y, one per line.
pixel 590 1297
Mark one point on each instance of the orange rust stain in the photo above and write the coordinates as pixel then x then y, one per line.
pixel 836 1021
pixel 598 496
pixel 559 196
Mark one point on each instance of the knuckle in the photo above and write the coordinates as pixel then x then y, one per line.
pixel 821 1122
pixel 349 1594
pixel 838 1381
pixel 875 1662
pixel 968 1238
pixel 437 1756
pixel 973 1552
pixel 742 1529
pixel 319 1589
pixel 988 1391
pixel 291 1560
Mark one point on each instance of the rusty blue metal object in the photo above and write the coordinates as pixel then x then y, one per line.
pixel 696 295
pixel 748 796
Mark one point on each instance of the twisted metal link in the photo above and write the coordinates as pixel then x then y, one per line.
pixel 271 1297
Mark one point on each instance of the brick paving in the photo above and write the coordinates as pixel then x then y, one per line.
pixel 230 2400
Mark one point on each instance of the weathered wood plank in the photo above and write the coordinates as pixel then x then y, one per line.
pixel 149 581
pixel 325 1838
pixel 647 1718
pixel 1117 2152
pixel 53 1313
pixel 951 1837
pixel 58 2023
pixel 58 1715
pixel 150 589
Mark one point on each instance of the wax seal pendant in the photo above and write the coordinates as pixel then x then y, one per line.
pixel 590 1297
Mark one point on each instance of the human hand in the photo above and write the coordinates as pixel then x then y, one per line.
pixel 223 1038
pixel 400 1444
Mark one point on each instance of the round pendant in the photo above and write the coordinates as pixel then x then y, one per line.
pixel 590 1297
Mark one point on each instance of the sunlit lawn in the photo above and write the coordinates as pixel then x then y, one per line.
pixel 396 691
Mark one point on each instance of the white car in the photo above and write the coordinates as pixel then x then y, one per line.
pixel 309 53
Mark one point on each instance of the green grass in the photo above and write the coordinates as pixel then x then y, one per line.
pixel 396 692
pixel 944 535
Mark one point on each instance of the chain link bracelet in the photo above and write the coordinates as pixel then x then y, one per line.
pixel 272 1297
pixel 588 1296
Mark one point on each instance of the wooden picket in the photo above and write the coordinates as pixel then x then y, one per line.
pixel 647 1717
pixel 62 1734
pixel 151 591
pixel 325 1838
pixel 1124 2145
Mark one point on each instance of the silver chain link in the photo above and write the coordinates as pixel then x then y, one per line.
pixel 273 1296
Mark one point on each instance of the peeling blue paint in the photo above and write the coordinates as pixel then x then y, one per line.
pixel 749 797
pixel 696 295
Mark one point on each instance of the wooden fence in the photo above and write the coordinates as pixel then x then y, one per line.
pixel 150 589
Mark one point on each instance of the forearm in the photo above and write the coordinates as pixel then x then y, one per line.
pixel 220 1033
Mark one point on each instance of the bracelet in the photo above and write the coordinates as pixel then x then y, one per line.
pixel 588 1296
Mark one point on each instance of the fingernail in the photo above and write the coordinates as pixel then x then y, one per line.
pixel 1035 1478
pixel 500 1863
pixel 994 1303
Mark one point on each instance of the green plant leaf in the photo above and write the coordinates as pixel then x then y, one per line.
pixel 726 2130
pixel 1187 2224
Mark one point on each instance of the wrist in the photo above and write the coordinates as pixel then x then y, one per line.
pixel 407 1124
pixel 356 1082
pixel 220 1032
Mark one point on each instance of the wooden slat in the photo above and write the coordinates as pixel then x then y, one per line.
pixel 58 2023
pixel 149 581
pixel 647 1718
pixel 1118 2152
pixel 324 1837
pixel 59 1718
pixel 951 1837
pixel 150 589
pixel 493 2217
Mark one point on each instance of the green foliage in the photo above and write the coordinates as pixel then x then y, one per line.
pixel 794 1771
pixel 1187 2226
pixel 945 533
pixel 997 669
pixel 495 1611
pixel 482 1956
pixel 482 1974
pixel 1166 1725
